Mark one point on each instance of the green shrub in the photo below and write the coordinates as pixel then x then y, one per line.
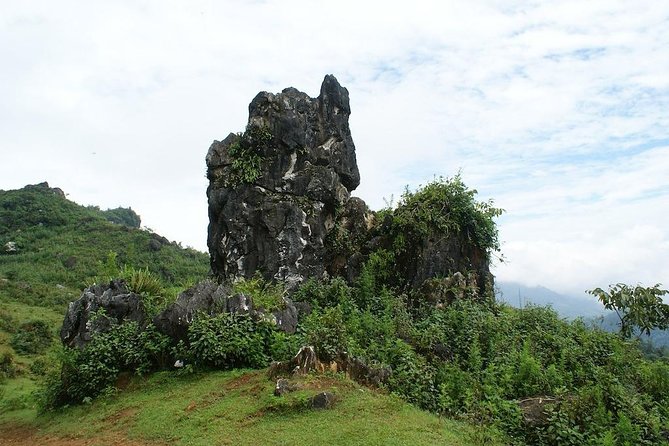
pixel 7 322
pixel 87 373
pixel 247 155
pixel 450 207
pixel 326 331
pixel 8 367
pixel 323 294
pixel 265 294
pixel 283 346
pixel 39 367
pixel 412 377
pixel 123 216
pixel 229 340
pixel 32 337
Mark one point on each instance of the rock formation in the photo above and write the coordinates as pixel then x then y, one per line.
pixel 113 303
pixel 276 217
pixel 279 202
pixel 210 298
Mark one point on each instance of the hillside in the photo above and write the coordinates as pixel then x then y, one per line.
pixel 239 407
pixel 50 249
pixel 53 247
pixel 59 247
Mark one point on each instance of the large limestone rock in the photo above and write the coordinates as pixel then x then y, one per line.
pixel 279 203
pixel 276 219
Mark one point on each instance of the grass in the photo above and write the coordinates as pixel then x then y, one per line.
pixel 238 407
pixel 62 248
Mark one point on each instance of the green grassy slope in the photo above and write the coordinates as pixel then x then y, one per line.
pixel 63 247
pixel 238 407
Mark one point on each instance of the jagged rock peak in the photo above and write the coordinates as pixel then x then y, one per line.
pixel 275 189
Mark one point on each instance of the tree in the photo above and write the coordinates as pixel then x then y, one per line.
pixel 637 307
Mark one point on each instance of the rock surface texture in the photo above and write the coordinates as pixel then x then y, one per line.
pixel 276 217
pixel 210 298
pixel 113 303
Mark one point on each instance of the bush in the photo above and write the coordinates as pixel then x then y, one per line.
pixel 265 294
pixel 8 367
pixel 87 373
pixel 323 294
pixel 32 337
pixel 229 340
pixel 450 207
pixel 326 332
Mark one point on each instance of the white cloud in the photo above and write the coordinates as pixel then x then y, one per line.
pixel 557 110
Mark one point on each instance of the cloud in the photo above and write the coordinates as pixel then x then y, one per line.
pixel 556 110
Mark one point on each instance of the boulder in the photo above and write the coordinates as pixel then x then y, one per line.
pixel 211 298
pixel 206 297
pixel 284 386
pixel 323 400
pixel 112 303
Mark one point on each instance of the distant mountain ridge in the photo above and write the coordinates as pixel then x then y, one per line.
pixel 518 295
pixel 571 307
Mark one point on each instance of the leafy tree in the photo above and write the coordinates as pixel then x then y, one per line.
pixel 637 307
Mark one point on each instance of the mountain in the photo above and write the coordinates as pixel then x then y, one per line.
pixel 571 307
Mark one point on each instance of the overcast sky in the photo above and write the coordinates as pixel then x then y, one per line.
pixel 559 110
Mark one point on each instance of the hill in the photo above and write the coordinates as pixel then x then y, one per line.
pixel 50 249
pixel 54 247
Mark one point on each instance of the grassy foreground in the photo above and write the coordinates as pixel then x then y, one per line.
pixel 238 407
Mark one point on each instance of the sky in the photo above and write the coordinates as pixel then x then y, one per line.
pixel 557 110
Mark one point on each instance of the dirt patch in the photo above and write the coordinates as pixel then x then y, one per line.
pixel 19 435
pixel 27 436
pixel 240 381
pixel 121 415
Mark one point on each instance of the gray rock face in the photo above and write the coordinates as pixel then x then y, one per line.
pixel 119 306
pixel 277 222
pixel 208 297
pixel 322 400
pixel 205 297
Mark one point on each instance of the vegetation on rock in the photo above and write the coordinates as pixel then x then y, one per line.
pixel 246 153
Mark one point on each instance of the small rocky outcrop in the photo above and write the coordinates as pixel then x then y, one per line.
pixel 44 187
pixel 322 400
pixel 206 297
pixel 211 298
pixel 276 218
pixel 306 361
pixel 10 248
pixel 111 303
pixel 284 386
